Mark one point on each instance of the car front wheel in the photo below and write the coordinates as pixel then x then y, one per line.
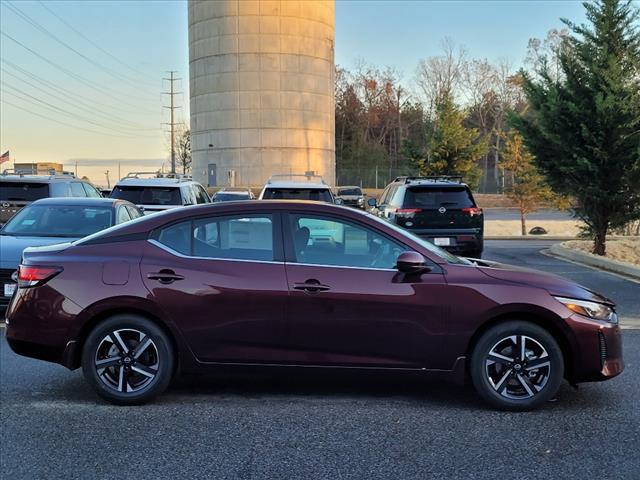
pixel 128 360
pixel 517 366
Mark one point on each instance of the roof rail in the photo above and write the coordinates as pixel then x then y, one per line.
pixel 309 177
pixel 158 174
pixel 51 173
pixel 432 178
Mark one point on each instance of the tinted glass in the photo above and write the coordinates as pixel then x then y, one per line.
pixel 235 237
pixel 59 221
pixel 229 197
pixel 148 195
pixel 315 194
pixel 133 212
pixel 201 195
pixel 349 191
pixel 77 190
pixel 177 237
pixel 23 191
pixel 328 241
pixel 459 197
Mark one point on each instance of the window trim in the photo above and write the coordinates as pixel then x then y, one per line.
pixel 290 255
pixel 276 232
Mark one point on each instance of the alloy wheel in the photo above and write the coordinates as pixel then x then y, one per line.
pixel 518 367
pixel 127 360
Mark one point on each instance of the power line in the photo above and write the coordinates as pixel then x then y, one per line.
pixel 46 31
pixel 72 95
pixel 22 109
pixel 71 27
pixel 70 73
pixel 61 110
pixel 79 105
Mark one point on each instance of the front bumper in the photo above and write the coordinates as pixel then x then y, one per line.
pixel 597 354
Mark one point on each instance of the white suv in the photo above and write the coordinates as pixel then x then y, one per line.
pixel 154 192
pixel 297 187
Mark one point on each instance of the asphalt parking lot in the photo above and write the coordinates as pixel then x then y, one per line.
pixel 289 425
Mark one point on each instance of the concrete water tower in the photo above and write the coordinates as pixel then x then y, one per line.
pixel 262 89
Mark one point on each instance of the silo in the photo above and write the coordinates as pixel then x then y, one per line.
pixel 262 89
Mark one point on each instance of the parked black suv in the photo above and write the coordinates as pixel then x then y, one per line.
pixel 439 209
pixel 19 188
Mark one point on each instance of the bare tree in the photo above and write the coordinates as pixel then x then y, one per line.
pixel 183 149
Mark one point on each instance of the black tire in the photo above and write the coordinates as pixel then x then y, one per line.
pixel 519 384
pixel 144 375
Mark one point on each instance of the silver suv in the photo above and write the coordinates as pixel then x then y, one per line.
pixel 154 191
pixel 297 187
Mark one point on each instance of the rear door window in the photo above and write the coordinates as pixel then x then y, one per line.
pixel 91 191
pixel 77 190
pixel 434 198
pixel 247 237
pixel 23 191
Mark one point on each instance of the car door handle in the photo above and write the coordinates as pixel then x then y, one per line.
pixel 165 276
pixel 311 286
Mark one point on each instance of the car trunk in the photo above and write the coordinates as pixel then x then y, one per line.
pixel 16 195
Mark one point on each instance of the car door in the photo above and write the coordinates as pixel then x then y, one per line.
pixel 348 304
pixel 221 279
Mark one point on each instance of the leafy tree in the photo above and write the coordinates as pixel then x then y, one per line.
pixel 584 125
pixel 453 149
pixel 529 187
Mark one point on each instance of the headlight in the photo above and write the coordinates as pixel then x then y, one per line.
pixel 361 200
pixel 596 310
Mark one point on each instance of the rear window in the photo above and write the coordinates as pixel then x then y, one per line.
pixel 59 221
pixel 426 198
pixel 23 191
pixel 148 195
pixel 315 194
pixel 349 191
pixel 229 197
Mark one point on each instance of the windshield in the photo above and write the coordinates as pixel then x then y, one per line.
pixel 449 257
pixel 23 191
pixel 434 198
pixel 58 221
pixel 227 197
pixel 148 195
pixel 315 194
pixel 349 191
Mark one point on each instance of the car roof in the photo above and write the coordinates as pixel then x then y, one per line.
pixel 15 178
pixel 80 201
pixel 153 182
pixel 434 184
pixel 292 184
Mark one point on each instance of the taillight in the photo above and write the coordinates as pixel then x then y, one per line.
pixel 31 276
pixel 407 212
pixel 472 211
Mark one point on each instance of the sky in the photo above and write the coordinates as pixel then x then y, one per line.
pixel 81 82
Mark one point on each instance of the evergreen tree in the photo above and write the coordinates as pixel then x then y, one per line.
pixel 584 125
pixel 529 187
pixel 453 149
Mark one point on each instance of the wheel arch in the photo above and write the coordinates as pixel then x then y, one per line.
pixel 543 320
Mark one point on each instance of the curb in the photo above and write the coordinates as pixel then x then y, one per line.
pixel 529 237
pixel 591 260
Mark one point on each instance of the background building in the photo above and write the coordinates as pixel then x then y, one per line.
pixel 39 167
pixel 262 89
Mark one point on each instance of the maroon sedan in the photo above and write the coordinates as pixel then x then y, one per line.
pixel 301 284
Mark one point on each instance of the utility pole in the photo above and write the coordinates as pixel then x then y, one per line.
pixel 172 93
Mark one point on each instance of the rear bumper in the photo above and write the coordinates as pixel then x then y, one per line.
pixel 461 240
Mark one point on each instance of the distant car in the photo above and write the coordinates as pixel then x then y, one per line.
pixel 155 192
pixel 351 196
pixel 440 209
pixel 297 187
pixel 55 220
pixel 308 285
pixel 18 188
pixel 229 195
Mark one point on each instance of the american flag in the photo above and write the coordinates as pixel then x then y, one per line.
pixel 5 157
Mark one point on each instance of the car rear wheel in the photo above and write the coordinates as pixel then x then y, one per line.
pixel 517 366
pixel 128 360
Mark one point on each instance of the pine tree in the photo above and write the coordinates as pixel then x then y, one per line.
pixel 529 187
pixel 453 149
pixel 584 124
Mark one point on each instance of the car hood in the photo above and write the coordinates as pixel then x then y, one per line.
pixel 553 284
pixel 11 247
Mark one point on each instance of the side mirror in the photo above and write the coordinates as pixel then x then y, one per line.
pixel 339 201
pixel 412 262
pixel 372 202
